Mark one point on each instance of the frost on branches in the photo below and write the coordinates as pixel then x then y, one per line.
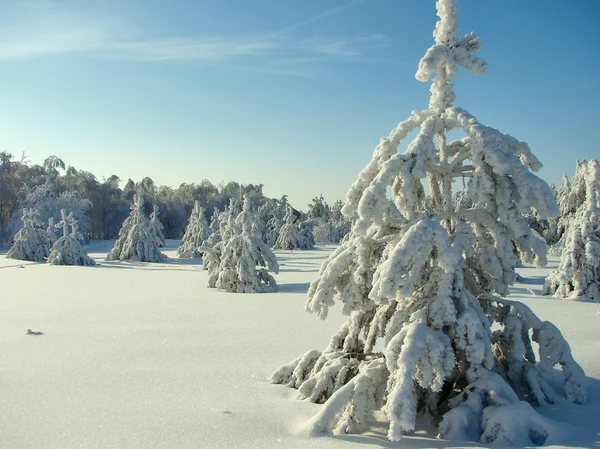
pixel 196 232
pixel 156 228
pixel 243 257
pixel 136 242
pixel 67 250
pixel 578 275
pixel 417 278
pixel 31 242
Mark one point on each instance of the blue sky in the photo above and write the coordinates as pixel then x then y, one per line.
pixel 292 94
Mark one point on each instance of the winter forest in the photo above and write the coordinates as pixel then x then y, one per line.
pixel 101 206
pixel 453 297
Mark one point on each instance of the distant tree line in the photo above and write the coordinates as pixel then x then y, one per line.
pixel 101 206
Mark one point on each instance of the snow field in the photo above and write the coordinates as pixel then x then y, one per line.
pixel 142 355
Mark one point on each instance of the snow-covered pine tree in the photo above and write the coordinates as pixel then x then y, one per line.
pixel 319 209
pixel 273 227
pixel 135 241
pixel 244 257
pixel 307 234
pixel 272 214
pixel 211 257
pixel 196 232
pixel 156 228
pixel 563 192
pixel 339 224
pixel 214 220
pixel 291 236
pixel 553 234
pixel 51 231
pixel 31 242
pixel 578 275
pixel 68 250
pixel 213 246
pixel 421 275
pixel 571 198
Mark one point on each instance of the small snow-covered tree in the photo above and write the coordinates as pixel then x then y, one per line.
pixel 291 236
pixel 213 246
pixel 420 274
pixel 319 209
pixel 51 231
pixel 68 250
pixel 196 233
pixel 31 242
pixel 571 196
pixel 244 257
pixel 272 230
pixel 272 214
pixel 214 220
pixel 578 275
pixel 307 234
pixel 135 241
pixel 336 228
pixel 156 228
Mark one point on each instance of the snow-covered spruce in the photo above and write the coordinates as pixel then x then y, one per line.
pixel 196 232
pixel 337 226
pixel 272 214
pixel 68 250
pixel 420 274
pixel 578 275
pixel 31 242
pixel 319 209
pixel 244 257
pixel 135 241
pixel 51 231
pixel 339 229
pixel 291 236
pixel 223 225
pixel 557 224
pixel 156 228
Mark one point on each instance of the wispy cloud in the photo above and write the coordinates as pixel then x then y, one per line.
pixel 345 47
pixel 317 18
pixel 57 32
pixel 190 49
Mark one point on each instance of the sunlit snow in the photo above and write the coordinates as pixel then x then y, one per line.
pixel 145 355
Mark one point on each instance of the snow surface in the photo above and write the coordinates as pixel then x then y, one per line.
pixel 141 355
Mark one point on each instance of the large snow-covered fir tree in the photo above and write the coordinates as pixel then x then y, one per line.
pixel 31 242
pixel 196 233
pixel 578 275
pixel 135 241
pixel 68 250
pixel 243 257
pixel 418 280
pixel 156 228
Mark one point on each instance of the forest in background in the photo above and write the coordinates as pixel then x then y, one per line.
pixel 101 206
